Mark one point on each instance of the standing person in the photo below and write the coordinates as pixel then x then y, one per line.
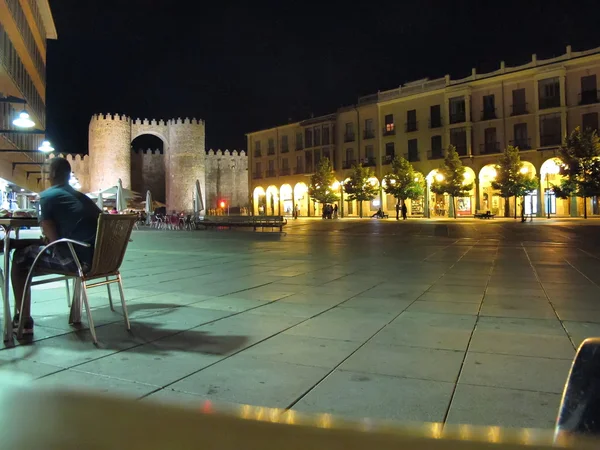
pixel 65 213
pixel 404 211
pixel 335 211
pixel 398 211
pixel 297 210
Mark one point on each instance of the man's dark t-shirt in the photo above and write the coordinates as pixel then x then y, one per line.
pixel 75 216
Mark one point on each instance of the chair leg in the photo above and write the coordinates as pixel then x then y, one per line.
pixel 76 302
pixel 112 308
pixel 125 314
pixel 68 294
pixel 89 313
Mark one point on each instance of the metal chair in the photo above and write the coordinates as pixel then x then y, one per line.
pixel 113 235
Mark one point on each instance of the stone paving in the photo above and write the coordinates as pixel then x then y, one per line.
pixel 455 322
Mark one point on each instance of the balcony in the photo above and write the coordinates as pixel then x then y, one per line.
pixel 518 109
pixel 389 130
pixel 458 117
pixel 411 126
pixel 550 140
pixel 257 175
pixel 271 173
pixel 435 122
pixel 348 164
pixel 271 152
pixel 549 102
pixel 285 171
pixel 349 137
pixel 285 149
pixel 257 153
pixel 299 147
pixel 369 162
pixel 461 149
pixel 522 143
pixel 368 134
pixel 588 97
pixel 299 170
pixel 489 148
pixel 412 156
pixel 387 159
pixel 489 114
pixel 436 153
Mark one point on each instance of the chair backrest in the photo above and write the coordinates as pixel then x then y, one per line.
pixel 112 238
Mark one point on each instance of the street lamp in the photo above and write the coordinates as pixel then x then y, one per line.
pixel 23 121
pixel 45 147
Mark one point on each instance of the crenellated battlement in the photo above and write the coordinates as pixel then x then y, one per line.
pixel 110 116
pixel 186 121
pixel 149 122
pixel 226 152
pixel 148 151
pixel 71 157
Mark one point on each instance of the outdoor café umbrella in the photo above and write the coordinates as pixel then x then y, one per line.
pixel 100 202
pixel 198 205
pixel 149 210
pixel 121 203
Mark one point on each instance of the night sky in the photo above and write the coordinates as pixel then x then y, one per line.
pixel 247 67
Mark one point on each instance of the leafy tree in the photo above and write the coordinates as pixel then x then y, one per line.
pixel 358 186
pixel 452 180
pixel 510 180
pixel 319 189
pixel 580 166
pixel 402 182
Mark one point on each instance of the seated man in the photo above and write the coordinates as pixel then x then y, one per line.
pixel 65 213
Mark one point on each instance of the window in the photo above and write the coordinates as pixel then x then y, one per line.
pixel 589 92
pixel 550 130
pixel 549 93
pixel 589 121
pixel 519 105
pixel 436 147
pixel 325 135
pixel 317 136
pixel 299 145
pixel 271 149
pixel 490 145
pixel 349 159
pixel 458 138
pixel 285 163
pixel 521 139
pixel 271 165
pixel 308 161
pixel 308 138
pixel 284 144
pixel 327 154
pixel 369 155
pixel 369 131
pixel 299 168
pixel 489 107
pixel 349 134
pixel 457 110
pixel 411 120
pixel 389 124
pixel 413 150
pixel 257 170
pixel 435 116
pixel 317 157
pixel 390 152
pixel 257 151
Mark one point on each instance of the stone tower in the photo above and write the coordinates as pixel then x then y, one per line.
pixel 109 150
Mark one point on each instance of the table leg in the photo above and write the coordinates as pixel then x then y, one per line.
pixel 8 331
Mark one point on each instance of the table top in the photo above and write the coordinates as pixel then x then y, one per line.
pixel 18 221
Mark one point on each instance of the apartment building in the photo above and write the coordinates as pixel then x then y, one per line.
pixel 532 106
pixel 25 27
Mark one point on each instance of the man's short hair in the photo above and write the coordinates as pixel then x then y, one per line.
pixel 60 168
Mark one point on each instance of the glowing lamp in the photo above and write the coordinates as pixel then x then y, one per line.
pixel 335 186
pixel 392 181
pixel 222 204
pixel 524 170
pixel 23 121
pixel 439 177
pixel 46 147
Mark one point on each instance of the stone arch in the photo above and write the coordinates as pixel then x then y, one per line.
pixel 259 200
pixel 272 201
pixel 148 165
pixel 549 176
pixel 301 199
pixel 286 194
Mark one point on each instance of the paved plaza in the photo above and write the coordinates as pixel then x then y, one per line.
pixel 430 321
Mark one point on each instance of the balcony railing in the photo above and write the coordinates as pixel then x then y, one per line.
pixel 412 156
pixel 411 126
pixel 387 159
pixel 522 144
pixel 461 149
pixel 437 153
pixel 299 170
pixel 299 147
pixel 271 173
pixel 349 137
pixel 548 140
pixel 368 134
pixel 488 114
pixel 271 151
pixel 549 102
pixel 285 149
pixel 257 175
pixel 435 122
pixel 284 171
pixel 489 148
pixel 257 153
pixel 389 130
pixel 348 163
pixel 458 117
pixel 588 97
pixel 519 109
pixel 369 162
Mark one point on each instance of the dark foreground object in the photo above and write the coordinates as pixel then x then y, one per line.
pixel 254 222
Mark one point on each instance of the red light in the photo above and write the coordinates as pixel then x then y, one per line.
pixel 222 204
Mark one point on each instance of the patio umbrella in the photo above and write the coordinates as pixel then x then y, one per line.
pixel 100 202
pixel 149 209
pixel 121 203
pixel 198 204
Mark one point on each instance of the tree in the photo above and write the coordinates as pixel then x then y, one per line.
pixel 511 180
pixel 358 187
pixel 580 166
pixel 451 178
pixel 402 182
pixel 319 189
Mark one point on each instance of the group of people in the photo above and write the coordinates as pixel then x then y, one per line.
pixel 330 211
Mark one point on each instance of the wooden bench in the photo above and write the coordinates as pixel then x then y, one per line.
pixel 243 221
pixel 484 215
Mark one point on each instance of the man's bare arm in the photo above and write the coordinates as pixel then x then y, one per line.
pixel 49 230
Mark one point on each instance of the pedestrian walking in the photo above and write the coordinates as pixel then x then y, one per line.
pixel 404 211
pixel 335 211
pixel 397 211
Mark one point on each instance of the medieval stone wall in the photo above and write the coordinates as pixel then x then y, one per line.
pixel 148 173
pixel 110 151
pixel 226 178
